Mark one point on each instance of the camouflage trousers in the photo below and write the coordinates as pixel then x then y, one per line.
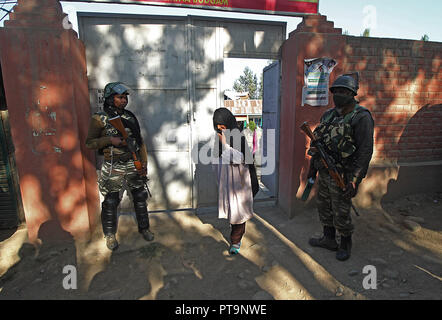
pixel 113 175
pixel 333 208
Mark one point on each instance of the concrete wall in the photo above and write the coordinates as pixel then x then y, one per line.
pixel 400 83
pixel 46 89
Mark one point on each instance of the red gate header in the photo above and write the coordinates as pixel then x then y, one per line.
pixel 280 7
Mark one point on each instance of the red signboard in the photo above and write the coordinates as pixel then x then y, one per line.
pixel 282 7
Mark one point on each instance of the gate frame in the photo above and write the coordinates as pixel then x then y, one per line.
pixel 189 21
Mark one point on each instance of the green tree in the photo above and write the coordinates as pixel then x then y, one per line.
pixel 261 86
pixel 366 32
pixel 425 37
pixel 247 82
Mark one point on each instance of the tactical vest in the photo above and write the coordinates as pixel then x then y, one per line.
pixel 336 134
pixel 111 131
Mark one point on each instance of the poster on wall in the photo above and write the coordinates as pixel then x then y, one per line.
pixel 316 81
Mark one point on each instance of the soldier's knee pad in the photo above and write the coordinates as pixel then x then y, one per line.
pixel 109 213
pixel 139 195
pixel 111 201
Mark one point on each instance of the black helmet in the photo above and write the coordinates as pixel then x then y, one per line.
pixel 346 81
pixel 115 88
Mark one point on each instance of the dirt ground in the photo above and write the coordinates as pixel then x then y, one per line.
pixel 189 259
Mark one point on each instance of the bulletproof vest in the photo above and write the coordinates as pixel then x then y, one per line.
pixel 110 130
pixel 336 134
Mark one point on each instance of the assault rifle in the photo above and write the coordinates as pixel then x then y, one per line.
pixel 132 146
pixel 328 162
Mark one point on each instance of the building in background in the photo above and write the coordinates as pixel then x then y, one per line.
pixel 243 108
pixel 246 110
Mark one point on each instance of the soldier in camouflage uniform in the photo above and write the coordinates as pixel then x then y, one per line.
pixel 118 165
pixel 346 132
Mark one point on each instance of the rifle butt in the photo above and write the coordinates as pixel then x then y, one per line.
pixel 116 122
pixel 306 128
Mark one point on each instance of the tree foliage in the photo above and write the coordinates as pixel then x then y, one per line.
pixel 248 82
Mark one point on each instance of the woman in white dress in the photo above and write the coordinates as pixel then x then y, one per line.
pixel 233 158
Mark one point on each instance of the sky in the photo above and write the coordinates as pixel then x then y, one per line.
pixel 403 19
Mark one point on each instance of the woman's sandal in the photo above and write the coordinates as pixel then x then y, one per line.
pixel 234 248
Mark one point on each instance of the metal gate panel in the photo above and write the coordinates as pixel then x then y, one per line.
pixel 175 67
pixel 150 56
pixel 207 67
pixel 144 52
pixel 205 189
pixel 213 40
pixel 270 121
pixel 253 39
pixel 207 59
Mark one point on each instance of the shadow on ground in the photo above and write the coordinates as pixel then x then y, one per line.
pixel 189 260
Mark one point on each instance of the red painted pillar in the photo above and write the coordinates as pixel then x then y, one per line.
pixel 315 37
pixel 44 72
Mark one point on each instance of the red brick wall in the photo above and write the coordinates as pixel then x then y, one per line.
pixel 401 83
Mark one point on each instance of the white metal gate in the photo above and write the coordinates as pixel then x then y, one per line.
pixel 174 66
pixel 270 120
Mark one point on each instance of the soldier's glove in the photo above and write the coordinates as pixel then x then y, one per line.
pixel 351 189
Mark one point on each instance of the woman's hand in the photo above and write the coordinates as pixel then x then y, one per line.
pixel 222 137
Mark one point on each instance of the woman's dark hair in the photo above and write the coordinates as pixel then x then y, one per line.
pixel 223 116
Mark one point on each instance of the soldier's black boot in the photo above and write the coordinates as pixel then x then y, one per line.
pixel 111 242
pixel 140 197
pixel 327 241
pixel 109 219
pixel 344 250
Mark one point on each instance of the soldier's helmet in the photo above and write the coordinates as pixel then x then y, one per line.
pixel 115 88
pixel 346 81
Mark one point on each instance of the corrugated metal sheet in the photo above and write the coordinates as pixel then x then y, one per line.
pixel 8 202
pixel 9 216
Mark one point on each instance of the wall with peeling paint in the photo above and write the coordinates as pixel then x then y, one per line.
pixel 46 89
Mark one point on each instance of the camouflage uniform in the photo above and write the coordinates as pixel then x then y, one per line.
pixel 118 164
pixel 114 173
pixel 339 138
pixel 118 167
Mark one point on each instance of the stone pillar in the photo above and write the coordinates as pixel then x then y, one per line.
pixel 315 37
pixel 44 72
